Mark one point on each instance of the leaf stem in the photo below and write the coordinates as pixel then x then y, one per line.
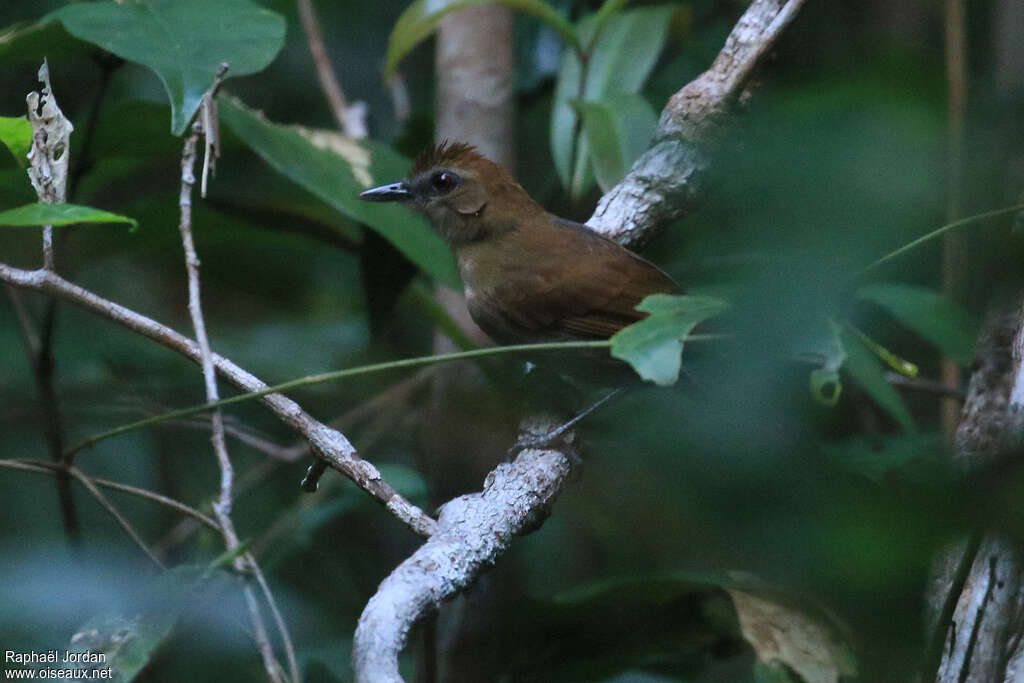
pixel 977 218
pixel 353 372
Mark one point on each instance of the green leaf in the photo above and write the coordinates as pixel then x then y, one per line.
pixel 620 63
pixel 59 214
pixel 928 313
pixel 16 135
pixel 183 41
pixel 876 457
pixel 420 19
pixel 862 364
pixel 32 42
pixel 617 129
pixel 336 169
pixel 130 640
pixel 653 345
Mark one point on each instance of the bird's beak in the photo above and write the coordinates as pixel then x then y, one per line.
pixel 394 192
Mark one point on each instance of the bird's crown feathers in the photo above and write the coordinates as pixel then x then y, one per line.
pixel 447 153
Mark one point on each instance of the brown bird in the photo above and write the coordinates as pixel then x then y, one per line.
pixel 529 276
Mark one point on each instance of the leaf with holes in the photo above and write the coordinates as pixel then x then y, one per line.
pixel 183 41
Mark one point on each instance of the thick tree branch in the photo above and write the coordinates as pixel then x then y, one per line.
pixel 328 444
pixel 976 603
pixel 473 532
pixel 663 184
pixel 666 182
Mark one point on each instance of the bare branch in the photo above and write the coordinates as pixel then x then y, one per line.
pixel 473 531
pixel 49 158
pixel 666 182
pixel 51 468
pixel 978 587
pixel 222 507
pixel 327 443
pixel 351 117
pixel 116 514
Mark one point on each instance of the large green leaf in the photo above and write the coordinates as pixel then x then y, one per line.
pixel 336 169
pixel 420 19
pixel 863 365
pixel 928 313
pixel 653 345
pixel 622 59
pixel 34 41
pixel 617 129
pixel 183 41
pixel 16 135
pixel 58 214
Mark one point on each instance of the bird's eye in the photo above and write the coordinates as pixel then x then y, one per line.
pixel 444 182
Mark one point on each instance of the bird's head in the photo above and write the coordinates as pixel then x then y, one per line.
pixel 465 196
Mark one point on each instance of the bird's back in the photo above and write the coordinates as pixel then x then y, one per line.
pixel 568 283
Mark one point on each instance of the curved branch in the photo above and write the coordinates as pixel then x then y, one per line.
pixel 473 531
pixel 667 180
pixel 328 444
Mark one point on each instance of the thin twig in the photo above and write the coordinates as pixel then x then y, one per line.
pixel 926 385
pixel 282 628
pixel 49 160
pixel 350 117
pixel 954 244
pixel 222 507
pixel 326 443
pixel 116 514
pixel 42 467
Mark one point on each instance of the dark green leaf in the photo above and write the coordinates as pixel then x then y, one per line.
pixel 16 135
pixel 35 41
pixel 623 57
pixel 876 457
pixel 336 169
pixel 420 19
pixel 928 313
pixel 653 345
pixel 59 214
pixel 617 129
pixel 129 641
pixel 862 364
pixel 183 41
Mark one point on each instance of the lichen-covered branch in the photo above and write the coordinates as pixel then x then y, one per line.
pixel 976 601
pixel 472 532
pixel 666 182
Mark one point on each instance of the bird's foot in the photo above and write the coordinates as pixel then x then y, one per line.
pixel 550 437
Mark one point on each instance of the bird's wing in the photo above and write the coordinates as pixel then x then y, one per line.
pixel 592 294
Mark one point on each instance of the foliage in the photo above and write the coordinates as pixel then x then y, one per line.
pixel 786 451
